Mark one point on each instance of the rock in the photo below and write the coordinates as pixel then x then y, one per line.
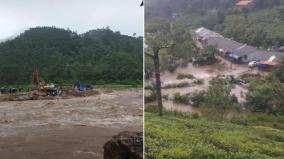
pixel 125 145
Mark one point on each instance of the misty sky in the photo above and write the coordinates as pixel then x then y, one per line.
pixel 78 15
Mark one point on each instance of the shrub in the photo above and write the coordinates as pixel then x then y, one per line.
pixel 166 97
pixel 197 98
pixel 207 56
pixel 184 63
pixel 183 76
pixel 177 85
pixel 150 98
pixel 183 99
pixel 195 115
pixel 194 99
pixel 172 67
pixel 151 108
pixel 179 135
pixel 218 95
pixel 198 81
pixel 239 120
pixel 266 96
pixel 149 87
pixel 262 119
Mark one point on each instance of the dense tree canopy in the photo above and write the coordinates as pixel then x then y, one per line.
pixel 65 56
pixel 169 31
pixel 266 96
pixel 260 26
pixel 219 95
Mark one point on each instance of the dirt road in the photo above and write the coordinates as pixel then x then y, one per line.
pixel 67 128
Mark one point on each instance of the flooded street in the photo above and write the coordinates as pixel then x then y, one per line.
pixel 68 124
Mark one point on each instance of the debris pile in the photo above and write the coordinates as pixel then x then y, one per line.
pixel 39 89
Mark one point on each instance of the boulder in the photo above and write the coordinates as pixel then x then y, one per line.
pixel 125 145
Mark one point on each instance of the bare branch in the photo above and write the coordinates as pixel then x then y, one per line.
pixel 148 54
pixel 167 46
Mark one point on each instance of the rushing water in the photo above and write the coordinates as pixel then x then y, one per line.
pixel 206 73
pixel 116 109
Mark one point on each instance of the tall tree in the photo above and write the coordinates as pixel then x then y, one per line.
pixel 266 96
pixel 156 39
pixel 219 95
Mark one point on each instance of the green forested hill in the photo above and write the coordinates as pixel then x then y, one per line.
pixel 65 56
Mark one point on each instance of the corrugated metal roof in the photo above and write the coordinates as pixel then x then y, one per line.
pixel 244 2
pixel 239 49
pixel 224 43
pixel 206 33
pixel 258 55
pixel 244 50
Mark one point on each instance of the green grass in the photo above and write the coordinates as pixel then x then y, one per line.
pixel 98 85
pixel 184 136
pixel 25 86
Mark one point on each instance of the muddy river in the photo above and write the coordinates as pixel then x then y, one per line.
pixel 67 128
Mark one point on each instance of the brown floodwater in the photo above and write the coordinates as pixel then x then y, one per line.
pixel 206 73
pixel 170 105
pixel 74 128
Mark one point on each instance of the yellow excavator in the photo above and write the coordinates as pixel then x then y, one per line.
pixel 39 87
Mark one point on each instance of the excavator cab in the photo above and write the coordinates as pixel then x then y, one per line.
pixel 40 88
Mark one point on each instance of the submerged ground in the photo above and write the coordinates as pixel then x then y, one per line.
pixel 205 73
pixel 186 136
pixel 68 128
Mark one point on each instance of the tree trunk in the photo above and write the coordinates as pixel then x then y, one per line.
pixel 158 80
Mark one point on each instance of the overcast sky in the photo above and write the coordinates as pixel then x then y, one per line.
pixel 79 15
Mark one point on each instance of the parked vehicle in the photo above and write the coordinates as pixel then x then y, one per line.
pixel 252 64
pixel 82 87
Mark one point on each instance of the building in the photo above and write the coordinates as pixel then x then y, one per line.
pixel 232 50
pixel 202 35
pixel 245 3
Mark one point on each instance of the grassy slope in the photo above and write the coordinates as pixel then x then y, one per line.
pixel 184 136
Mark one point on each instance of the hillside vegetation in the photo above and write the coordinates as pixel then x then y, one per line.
pixel 224 127
pixel 62 55
pixel 260 26
pixel 184 136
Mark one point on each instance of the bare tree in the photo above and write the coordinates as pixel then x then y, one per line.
pixel 157 39
pixel 156 60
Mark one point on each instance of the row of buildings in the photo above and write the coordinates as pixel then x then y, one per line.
pixel 235 51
